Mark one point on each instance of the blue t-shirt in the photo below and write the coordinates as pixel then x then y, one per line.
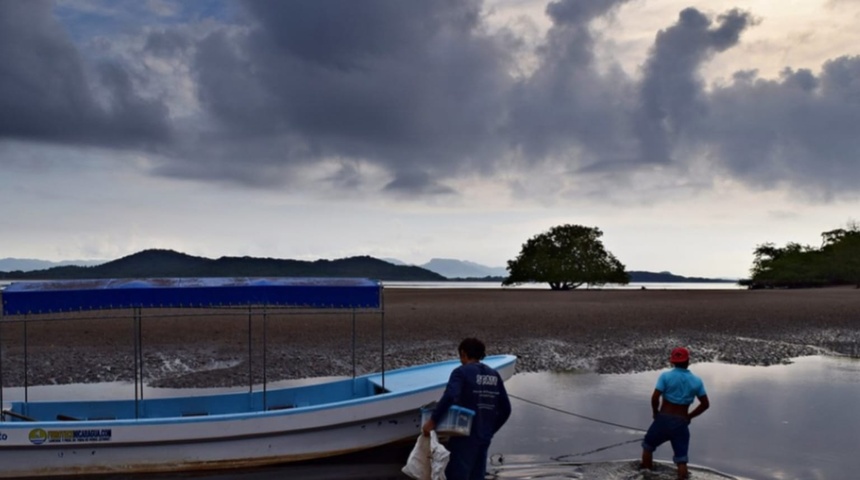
pixel 478 387
pixel 680 386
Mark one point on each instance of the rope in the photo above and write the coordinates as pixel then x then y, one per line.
pixel 576 414
pixel 499 459
pixel 561 458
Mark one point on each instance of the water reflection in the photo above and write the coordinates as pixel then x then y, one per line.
pixel 785 421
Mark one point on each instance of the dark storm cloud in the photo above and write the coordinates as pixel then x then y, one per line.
pixel 167 43
pixel 426 93
pixel 416 87
pixel 345 35
pixel 567 103
pixel 48 95
pixel 800 130
pixel 672 91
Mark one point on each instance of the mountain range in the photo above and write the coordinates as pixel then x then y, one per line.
pixel 168 263
pixel 30 264
pixel 450 268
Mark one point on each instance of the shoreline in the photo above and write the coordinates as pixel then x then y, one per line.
pixel 605 331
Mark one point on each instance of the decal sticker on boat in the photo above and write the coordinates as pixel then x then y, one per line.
pixel 39 436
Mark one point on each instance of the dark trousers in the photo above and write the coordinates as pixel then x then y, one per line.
pixel 468 460
pixel 670 428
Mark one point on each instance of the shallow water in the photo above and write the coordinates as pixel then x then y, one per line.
pixel 785 421
pixel 778 422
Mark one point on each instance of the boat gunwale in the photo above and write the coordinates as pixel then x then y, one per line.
pixel 504 361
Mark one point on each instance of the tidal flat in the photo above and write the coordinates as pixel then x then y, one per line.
pixel 602 331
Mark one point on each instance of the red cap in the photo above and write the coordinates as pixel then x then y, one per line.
pixel 680 355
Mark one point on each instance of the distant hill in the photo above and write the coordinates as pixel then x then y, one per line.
pixel 668 277
pixel 462 269
pixel 465 270
pixel 168 263
pixel 29 264
pixel 457 269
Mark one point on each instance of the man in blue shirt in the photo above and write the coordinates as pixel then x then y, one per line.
pixel 678 387
pixel 480 388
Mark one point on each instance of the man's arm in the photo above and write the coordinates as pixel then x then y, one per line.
pixel 655 402
pixel 703 405
pixel 428 426
pixel 452 392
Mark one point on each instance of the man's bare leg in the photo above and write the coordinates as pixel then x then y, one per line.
pixel 647 459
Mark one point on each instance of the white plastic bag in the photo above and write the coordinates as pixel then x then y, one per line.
pixel 428 459
pixel 438 458
pixel 418 464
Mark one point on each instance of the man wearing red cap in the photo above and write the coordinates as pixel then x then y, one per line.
pixel 678 387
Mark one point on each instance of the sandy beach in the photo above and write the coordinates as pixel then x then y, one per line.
pixel 607 331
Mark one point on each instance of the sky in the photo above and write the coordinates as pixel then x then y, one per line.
pixel 688 132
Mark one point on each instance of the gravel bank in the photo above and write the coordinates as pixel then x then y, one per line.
pixel 607 331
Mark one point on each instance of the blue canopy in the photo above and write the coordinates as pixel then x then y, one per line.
pixel 72 295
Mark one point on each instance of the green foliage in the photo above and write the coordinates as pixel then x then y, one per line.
pixel 837 262
pixel 566 257
pixel 842 250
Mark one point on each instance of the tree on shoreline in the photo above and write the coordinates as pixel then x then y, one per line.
pixel 836 262
pixel 566 257
pixel 842 249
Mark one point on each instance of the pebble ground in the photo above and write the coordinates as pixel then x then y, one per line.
pixel 607 331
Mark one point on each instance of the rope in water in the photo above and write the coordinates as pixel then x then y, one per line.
pixel 576 414
pixel 582 454
pixel 498 459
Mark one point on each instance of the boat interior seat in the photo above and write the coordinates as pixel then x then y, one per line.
pixel 379 390
pixel 19 416
pixel 68 418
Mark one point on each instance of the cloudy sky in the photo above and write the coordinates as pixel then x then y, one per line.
pixel 688 131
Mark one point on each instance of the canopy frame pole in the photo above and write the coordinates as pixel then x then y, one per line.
pixel 2 416
pixel 26 363
pixel 137 322
pixel 250 360
pixel 382 322
pixel 265 358
pixel 353 344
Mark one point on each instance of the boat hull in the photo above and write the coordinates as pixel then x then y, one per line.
pixel 228 452
pixel 32 449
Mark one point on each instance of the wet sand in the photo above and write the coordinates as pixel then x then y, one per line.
pixel 607 331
